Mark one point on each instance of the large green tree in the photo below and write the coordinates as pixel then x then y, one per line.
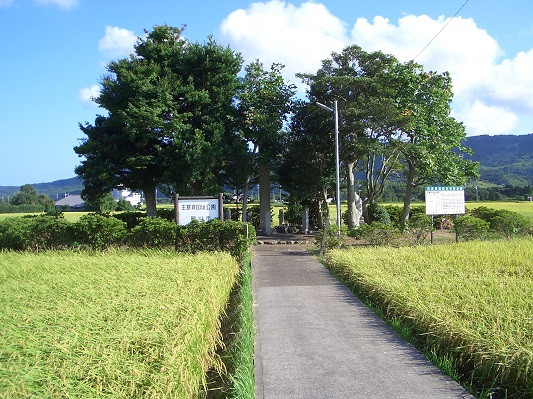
pixel 431 140
pixel 170 119
pixel 358 81
pixel 264 103
pixel 307 165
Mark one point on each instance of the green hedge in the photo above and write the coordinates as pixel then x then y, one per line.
pixel 101 231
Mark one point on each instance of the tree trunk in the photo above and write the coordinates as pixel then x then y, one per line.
pixel 245 198
pixel 149 196
pixel 353 214
pixel 408 194
pixel 264 198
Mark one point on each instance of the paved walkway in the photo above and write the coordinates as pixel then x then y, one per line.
pixel 315 339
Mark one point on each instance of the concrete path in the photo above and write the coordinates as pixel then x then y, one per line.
pixel 315 339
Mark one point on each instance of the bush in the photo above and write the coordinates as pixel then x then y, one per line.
pixel 131 219
pixel 504 222
pixel 470 227
pixel 510 224
pixel 153 233
pixel 166 213
pixel 395 212
pixel 418 226
pixel 377 233
pixel 378 213
pixel 99 231
pixel 49 232
pixel 333 240
pixel 15 233
pixel 214 235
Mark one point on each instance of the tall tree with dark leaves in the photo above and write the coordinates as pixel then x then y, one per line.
pixel 264 103
pixel 170 122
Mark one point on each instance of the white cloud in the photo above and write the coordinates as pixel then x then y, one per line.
pixel 117 42
pixel 87 94
pixel 276 31
pixel 63 4
pixel 490 93
pixel 483 119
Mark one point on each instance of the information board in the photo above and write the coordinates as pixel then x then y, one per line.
pixel 445 200
pixel 203 209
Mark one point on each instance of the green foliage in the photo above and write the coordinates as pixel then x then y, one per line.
pixel 394 212
pixel 215 235
pixel 504 222
pixel 378 214
pixel 470 227
pixel 418 226
pixel 131 219
pixel 99 231
pixel 334 238
pixel 49 232
pixel 15 233
pixel 377 233
pixel 166 213
pixel 511 224
pixel 152 233
pixel 123 205
pixel 293 215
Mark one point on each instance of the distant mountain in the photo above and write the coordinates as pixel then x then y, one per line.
pixel 54 190
pixel 505 159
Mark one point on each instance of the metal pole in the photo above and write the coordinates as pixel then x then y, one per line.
pixel 337 169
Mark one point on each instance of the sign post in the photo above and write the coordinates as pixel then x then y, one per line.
pixel 187 209
pixel 448 200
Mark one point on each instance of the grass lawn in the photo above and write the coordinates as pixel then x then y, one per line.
pixel 471 301
pixel 114 324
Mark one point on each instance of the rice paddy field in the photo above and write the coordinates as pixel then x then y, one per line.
pixel 114 324
pixel 472 301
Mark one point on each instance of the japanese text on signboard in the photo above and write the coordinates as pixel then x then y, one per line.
pixel 197 209
pixel 445 200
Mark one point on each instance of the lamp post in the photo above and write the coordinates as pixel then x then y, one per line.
pixel 337 167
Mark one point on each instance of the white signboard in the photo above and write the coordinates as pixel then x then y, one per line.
pixel 445 200
pixel 197 209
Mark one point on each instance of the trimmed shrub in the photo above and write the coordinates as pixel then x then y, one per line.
pixel 152 233
pixel 470 227
pixel 131 219
pixel 166 213
pixel 99 231
pixel 49 232
pixel 214 235
pixel 504 222
pixel 15 233
pixel 377 233
pixel 510 224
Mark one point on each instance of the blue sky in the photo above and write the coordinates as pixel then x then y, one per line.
pixel 54 53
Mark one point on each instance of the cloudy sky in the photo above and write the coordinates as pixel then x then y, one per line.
pixel 54 54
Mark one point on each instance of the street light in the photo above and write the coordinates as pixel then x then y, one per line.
pixel 337 173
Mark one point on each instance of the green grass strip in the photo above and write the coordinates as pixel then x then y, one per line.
pixel 472 302
pixel 242 350
pixel 115 324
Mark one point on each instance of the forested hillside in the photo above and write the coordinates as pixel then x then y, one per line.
pixel 505 159
pixel 54 190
